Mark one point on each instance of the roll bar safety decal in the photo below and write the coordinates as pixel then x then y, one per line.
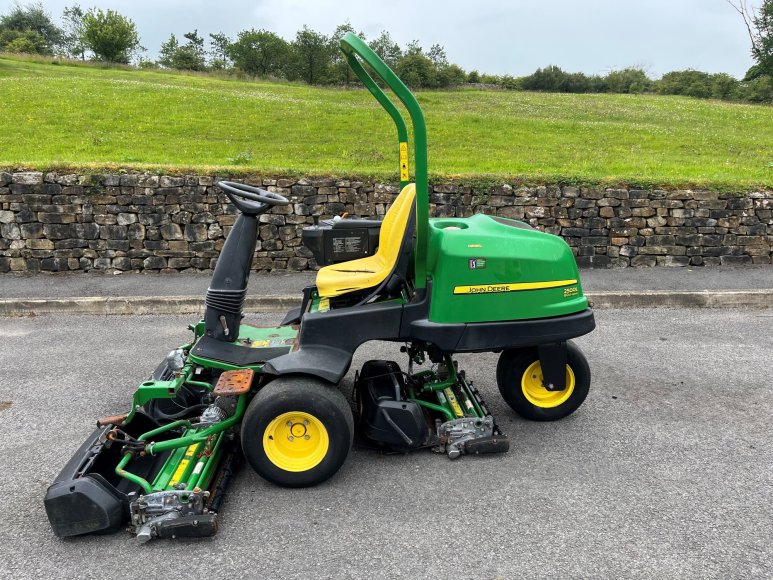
pixel 404 173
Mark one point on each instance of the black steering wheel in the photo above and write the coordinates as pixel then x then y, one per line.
pixel 251 200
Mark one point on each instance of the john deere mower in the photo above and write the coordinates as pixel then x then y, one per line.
pixel 438 286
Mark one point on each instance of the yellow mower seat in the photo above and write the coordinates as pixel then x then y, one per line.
pixel 371 271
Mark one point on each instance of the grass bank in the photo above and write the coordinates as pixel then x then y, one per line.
pixel 73 116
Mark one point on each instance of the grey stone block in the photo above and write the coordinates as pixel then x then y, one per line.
pixel 10 231
pixel 170 232
pixel 154 263
pixel 643 261
pixel 27 178
pixel 196 232
pixel 735 260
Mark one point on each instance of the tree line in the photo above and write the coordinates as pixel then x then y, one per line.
pixel 311 57
pixel 314 58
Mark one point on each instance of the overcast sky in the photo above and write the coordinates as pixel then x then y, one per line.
pixel 496 36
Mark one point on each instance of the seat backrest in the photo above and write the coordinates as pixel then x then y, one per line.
pixel 395 223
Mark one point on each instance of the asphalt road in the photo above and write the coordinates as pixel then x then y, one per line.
pixel 665 471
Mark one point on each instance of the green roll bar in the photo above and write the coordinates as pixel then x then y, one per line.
pixel 352 45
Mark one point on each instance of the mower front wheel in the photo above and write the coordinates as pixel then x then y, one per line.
pixel 520 381
pixel 297 431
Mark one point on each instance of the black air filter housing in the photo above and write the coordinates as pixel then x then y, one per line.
pixel 332 242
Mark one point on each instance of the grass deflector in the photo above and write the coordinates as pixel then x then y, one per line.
pixel 440 286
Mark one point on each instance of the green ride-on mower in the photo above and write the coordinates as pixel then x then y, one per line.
pixel 440 286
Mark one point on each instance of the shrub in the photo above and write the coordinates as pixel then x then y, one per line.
pixel 758 90
pixel 416 70
pixel 489 79
pixel 510 83
pixel 23 41
pixel 628 80
pixel 29 29
pixel 684 82
pixel 450 76
pixel 725 87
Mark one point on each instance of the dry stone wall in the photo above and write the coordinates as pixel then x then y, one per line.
pixel 58 222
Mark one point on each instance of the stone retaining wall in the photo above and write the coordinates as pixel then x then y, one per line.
pixel 56 222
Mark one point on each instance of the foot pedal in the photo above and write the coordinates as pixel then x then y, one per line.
pixel 492 444
pixel 234 383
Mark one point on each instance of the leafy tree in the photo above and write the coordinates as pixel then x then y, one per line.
pixel 259 52
pixel 416 70
pixel 551 79
pixel 413 48
pixel 167 51
pixel 387 49
pixel 759 24
pixel 437 54
pixel 473 77
pixel 428 70
pixel 72 32
pixel 190 56
pixel 110 36
pixel 311 56
pixel 29 28
pixel 341 71
pixel 219 51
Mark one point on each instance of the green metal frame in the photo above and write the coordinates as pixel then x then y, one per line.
pixel 192 475
pixel 353 47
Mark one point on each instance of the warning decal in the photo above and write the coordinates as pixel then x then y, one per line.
pixel 404 173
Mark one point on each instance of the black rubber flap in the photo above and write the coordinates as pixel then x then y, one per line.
pixel 235 354
pixel 191 526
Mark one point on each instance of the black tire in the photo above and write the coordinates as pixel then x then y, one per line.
pixel 297 397
pixel 514 385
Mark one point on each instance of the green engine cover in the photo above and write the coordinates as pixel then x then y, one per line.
pixel 487 269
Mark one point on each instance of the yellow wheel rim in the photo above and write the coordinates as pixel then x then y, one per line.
pixel 296 441
pixel 537 394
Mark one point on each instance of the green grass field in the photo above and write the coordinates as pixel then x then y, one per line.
pixel 88 117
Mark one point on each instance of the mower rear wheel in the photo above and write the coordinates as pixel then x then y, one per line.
pixel 297 431
pixel 520 380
